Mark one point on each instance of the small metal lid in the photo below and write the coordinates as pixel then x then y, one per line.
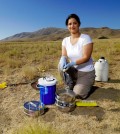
pixel 33 105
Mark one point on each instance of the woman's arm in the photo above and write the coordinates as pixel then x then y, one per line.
pixel 64 52
pixel 87 51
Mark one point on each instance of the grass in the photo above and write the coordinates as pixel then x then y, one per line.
pixel 35 128
pixel 44 55
pixel 18 55
pixel 27 60
pixel 29 72
pixel 107 48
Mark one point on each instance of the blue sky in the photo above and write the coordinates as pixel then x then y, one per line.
pixel 18 16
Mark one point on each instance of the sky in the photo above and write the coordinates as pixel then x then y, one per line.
pixel 18 16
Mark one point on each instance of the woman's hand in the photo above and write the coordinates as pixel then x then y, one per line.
pixel 69 65
pixel 63 62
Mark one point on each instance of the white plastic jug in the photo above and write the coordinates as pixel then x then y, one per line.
pixel 101 70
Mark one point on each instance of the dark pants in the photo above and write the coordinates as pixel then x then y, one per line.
pixel 78 81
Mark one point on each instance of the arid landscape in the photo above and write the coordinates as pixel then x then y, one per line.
pixel 22 63
pixel 55 34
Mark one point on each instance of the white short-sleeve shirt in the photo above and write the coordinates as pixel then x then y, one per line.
pixel 74 52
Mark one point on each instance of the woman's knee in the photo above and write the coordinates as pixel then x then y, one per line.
pixel 81 90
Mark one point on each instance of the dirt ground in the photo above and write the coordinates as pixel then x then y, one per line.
pixel 88 120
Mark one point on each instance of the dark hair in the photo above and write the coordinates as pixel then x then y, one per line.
pixel 73 16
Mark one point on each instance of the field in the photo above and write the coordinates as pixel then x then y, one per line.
pixel 21 63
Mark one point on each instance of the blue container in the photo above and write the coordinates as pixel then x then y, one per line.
pixel 47 88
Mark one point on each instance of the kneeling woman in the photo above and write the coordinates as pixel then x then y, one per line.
pixel 76 59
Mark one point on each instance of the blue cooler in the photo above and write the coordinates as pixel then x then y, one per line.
pixel 47 87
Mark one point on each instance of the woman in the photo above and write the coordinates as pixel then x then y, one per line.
pixel 76 64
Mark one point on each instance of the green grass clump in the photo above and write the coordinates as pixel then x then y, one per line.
pixel 36 129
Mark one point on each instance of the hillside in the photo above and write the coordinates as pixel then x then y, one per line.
pixel 53 34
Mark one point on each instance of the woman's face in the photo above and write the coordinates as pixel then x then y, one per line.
pixel 73 26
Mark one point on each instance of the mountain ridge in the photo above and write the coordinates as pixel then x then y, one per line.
pixel 54 34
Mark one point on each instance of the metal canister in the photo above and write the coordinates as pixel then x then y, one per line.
pixel 33 108
pixel 65 100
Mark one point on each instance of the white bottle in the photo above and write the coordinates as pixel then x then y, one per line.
pixel 101 70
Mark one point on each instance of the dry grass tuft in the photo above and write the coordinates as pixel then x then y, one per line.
pixel 35 128
pixel 29 72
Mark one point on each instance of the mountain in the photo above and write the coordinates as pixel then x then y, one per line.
pixel 54 34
